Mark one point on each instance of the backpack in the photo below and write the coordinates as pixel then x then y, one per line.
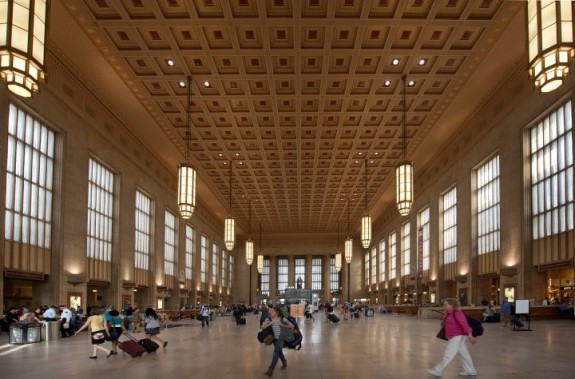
pixel 474 324
pixel 298 337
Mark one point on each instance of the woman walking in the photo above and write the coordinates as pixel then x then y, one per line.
pixel 99 331
pixel 116 330
pixel 457 331
pixel 279 325
pixel 152 328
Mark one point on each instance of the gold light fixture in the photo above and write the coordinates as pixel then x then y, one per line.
pixel 337 253
pixel 229 222
pixel 260 261
pixel 404 172
pixel 186 171
pixel 250 243
pixel 550 42
pixel 22 44
pixel 366 219
pixel 349 241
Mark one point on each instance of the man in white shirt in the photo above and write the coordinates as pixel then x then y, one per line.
pixel 205 313
pixel 49 314
pixel 65 318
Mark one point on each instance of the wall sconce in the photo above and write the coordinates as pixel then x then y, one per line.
pixel 75 279
pixel 128 284
pixel 461 278
pixel 509 271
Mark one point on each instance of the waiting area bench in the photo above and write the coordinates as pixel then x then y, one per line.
pixel 408 310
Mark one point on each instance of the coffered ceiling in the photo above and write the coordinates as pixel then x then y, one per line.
pixel 302 93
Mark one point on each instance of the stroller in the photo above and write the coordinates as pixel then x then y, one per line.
pixel 298 337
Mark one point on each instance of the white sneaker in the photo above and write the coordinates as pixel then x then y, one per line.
pixel 467 374
pixel 433 372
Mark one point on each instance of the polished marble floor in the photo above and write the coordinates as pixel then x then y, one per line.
pixel 383 346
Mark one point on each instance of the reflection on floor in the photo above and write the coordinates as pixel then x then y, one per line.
pixel 383 346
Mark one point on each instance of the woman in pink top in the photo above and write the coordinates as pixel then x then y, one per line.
pixel 457 331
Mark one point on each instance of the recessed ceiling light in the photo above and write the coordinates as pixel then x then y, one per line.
pixel 395 61
pixel 411 83
pixel 207 84
pixel 422 61
pixel 387 83
pixel 221 155
pixel 182 84
pixel 170 62
pixel 237 154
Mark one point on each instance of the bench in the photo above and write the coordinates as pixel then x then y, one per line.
pixel 408 310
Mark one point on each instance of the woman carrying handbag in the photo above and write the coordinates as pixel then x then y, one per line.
pixel 281 328
pixel 456 331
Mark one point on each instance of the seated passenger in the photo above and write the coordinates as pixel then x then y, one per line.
pixel 488 314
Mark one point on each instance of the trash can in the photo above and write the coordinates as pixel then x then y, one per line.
pixel 24 333
pixel 50 330
pixel 17 333
pixel 34 333
pixel 369 312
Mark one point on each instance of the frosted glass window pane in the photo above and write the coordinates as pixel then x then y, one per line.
pixel 25 200
pixel 552 189
pixel 142 236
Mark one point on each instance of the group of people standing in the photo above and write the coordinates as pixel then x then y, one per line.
pixel 67 317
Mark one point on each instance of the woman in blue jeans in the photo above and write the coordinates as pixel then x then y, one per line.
pixel 277 321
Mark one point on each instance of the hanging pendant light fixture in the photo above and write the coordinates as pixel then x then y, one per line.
pixel 22 44
pixel 186 171
pixel 229 222
pixel 404 172
pixel 260 261
pixel 337 253
pixel 250 243
pixel 349 241
pixel 550 42
pixel 366 219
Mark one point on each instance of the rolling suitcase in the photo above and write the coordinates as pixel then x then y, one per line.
pixel 332 318
pixel 242 321
pixel 131 347
pixel 149 345
pixel 516 323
